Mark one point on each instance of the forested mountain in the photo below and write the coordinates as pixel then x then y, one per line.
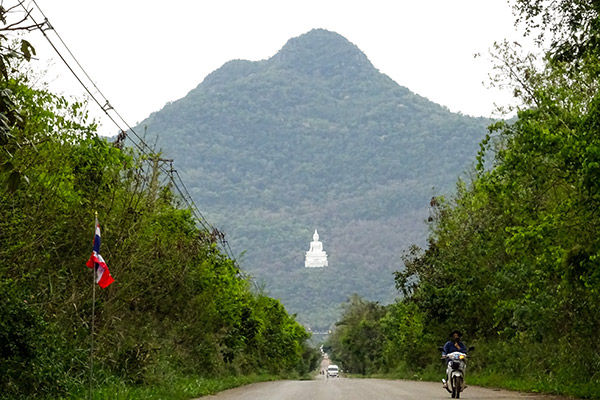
pixel 315 137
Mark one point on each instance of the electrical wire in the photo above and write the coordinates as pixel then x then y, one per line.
pixel 142 146
pixel 107 106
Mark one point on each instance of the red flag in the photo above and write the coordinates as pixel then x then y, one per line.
pixel 103 278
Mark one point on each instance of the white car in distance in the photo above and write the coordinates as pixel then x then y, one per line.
pixel 333 371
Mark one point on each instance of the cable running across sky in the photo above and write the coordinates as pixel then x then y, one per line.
pixel 106 107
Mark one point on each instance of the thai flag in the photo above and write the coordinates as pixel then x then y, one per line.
pixel 103 278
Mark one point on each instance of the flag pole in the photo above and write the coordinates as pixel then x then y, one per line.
pixel 93 320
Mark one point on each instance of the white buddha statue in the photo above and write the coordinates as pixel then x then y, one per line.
pixel 315 256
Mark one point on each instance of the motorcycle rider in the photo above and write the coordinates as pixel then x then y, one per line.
pixel 450 347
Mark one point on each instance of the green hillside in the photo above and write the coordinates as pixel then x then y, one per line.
pixel 315 137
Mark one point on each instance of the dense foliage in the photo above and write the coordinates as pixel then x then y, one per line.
pixel 513 258
pixel 316 137
pixel 179 306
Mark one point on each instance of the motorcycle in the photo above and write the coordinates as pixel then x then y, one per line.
pixel 456 365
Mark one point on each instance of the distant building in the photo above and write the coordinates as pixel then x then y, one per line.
pixel 315 256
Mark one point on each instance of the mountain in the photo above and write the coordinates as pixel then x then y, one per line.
pixel 315 137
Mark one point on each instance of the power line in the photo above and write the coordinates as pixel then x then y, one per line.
pixel 66 63
pixel 142 146
pixel 47 22
pixel 107 106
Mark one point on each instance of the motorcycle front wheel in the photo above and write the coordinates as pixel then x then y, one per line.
pixel 456 387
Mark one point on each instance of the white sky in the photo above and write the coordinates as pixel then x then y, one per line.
pixel 143 54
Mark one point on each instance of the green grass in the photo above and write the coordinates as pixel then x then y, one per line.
pixel 494 380
pixel 548 385
pixel 178 389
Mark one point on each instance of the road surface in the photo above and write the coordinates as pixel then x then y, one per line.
pixel 362 389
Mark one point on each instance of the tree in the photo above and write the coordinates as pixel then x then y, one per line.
pixel 12 53
pixel 570 26
pixel 357 341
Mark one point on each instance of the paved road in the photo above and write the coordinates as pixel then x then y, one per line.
pixel 361 389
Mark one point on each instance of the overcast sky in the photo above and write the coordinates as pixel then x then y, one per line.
pixel 143 54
